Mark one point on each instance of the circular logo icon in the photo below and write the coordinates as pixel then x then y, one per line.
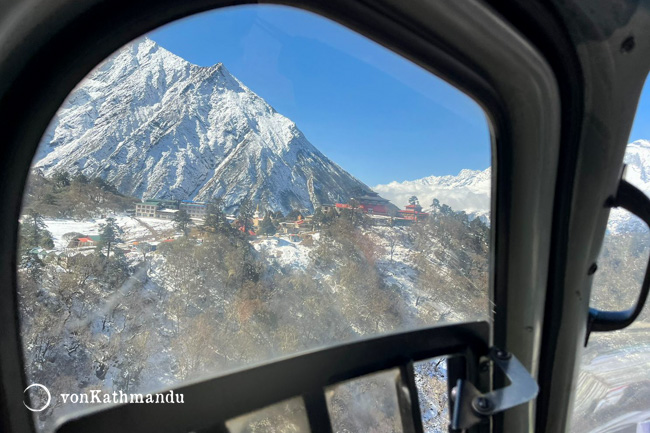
pixel 44 388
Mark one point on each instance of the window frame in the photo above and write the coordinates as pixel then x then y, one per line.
pixel 513 83
pixel 210 403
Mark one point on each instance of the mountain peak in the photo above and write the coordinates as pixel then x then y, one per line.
pixel 156 126
pixel 645 144
pixel 145 48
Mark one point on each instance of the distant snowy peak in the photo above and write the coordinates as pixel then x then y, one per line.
pixel 158 126
pixel 637 172
pixel 469 191
pixel 637 160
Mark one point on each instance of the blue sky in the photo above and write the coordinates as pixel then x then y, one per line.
pixel 641 127
pixel 374 113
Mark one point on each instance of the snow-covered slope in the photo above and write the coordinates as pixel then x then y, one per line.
pixel 469 191
pixel 157 126
pixel 637 172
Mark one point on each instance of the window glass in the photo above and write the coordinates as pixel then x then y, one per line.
pixel 431 382
pixel 369 403
pixel 288 416
pixel 613 390
pixel 242 185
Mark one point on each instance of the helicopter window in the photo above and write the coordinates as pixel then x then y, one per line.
pixel 242 185
pixel 613 384
pixel 366 404
pixel 289 416
pixel 431 380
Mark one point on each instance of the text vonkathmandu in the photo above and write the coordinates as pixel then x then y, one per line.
pixel 97 396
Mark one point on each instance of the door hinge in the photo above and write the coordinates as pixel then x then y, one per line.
pixel 470 406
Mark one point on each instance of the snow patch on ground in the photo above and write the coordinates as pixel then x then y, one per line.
pixel 134 229
pixel 284 252
pixel 60 227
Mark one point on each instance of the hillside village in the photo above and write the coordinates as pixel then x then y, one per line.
pixel 182 289
pixel 155 216
pixel 294 281
pixel 379 211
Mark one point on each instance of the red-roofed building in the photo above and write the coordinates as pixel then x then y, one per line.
pixel 250 232
pixel 370 203
pixel 413 212
pixel 85 241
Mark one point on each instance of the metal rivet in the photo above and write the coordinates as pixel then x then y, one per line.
pixel 592 269
pixel 482 405
pixel 628 44
pixel 502 354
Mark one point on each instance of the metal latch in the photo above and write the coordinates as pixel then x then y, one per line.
pixel 471 406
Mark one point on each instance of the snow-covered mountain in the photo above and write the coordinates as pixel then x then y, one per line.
pixel 469 191
pixel 637 172
pixel 157 126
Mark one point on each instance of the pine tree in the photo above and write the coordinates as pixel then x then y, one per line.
pixel 322 218
pixel 319 216
pixel 293 215
pixel 61 179
pixel 246 211
pixel 80 178
pixel 182 221
pixel 355 216
pixel 215 219
pixel 34 232
pixel 266 226
pixel 108 235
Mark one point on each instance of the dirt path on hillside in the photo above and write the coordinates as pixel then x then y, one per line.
pixel 153 231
